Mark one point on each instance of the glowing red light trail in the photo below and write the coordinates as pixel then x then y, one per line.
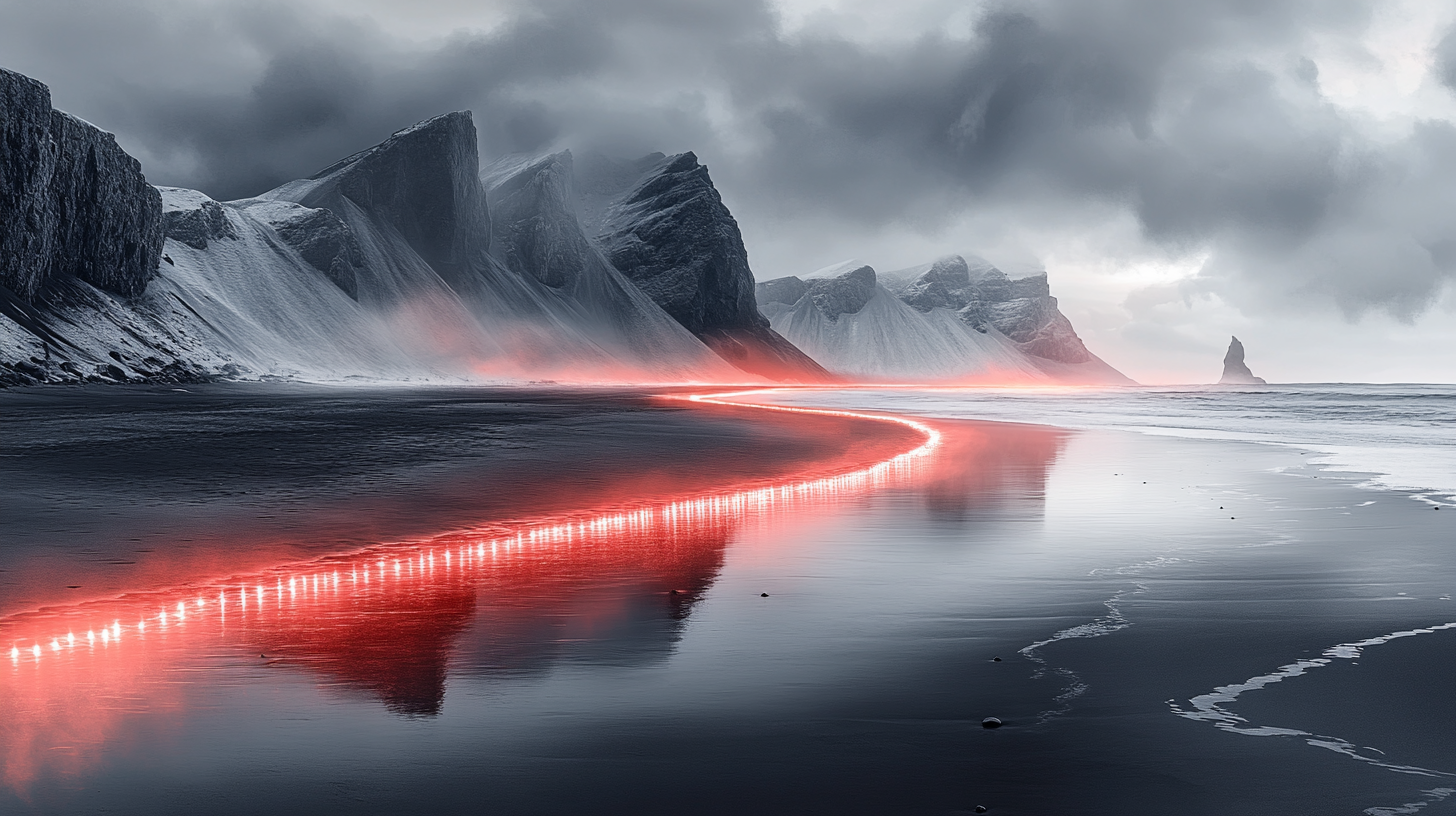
pixel 375 569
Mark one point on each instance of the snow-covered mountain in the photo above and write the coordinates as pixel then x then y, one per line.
pixel 387 265
pixel 406 262
pixel 950 320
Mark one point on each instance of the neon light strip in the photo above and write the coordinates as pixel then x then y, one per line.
pixel 373 570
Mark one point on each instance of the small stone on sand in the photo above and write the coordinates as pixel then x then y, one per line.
pixel 991 722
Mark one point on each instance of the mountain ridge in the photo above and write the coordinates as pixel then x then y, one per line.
pixel 948 322
pixel 378 267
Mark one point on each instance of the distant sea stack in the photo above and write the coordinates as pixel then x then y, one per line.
pixel 1234 370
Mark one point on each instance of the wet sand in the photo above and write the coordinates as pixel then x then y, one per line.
pixel 1121 579
pixel 113 489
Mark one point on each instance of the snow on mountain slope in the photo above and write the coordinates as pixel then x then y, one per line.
pixel 871 335
pixel 661 222
pixel 232 301
pixel 420 210
pixel 379 268
pixel 945 325
pixel 265 308
pixel 538 237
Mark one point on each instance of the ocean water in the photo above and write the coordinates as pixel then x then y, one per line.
pixel 1402 436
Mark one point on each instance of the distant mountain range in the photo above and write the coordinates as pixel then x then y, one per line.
pixel 406 262
pixel 954 320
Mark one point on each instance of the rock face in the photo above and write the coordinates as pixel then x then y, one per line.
pixel 194 219
pixel 539 238
pixel 670 234
pixel 423 182
pixel 73 205
pixel 536 228
pixel 952 319
pixel 320 238
pixel 1235 372
pixel 785 291
pixel 945 285
pixel 982 295
pixel 846 294
pixel 661 221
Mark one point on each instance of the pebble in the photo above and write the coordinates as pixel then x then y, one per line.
pixel 991 722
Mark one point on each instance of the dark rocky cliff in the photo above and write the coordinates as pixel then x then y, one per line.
pixel 662 223
pixel 672 236
pixel 537 233
pixel 73 205
pixel 198 226
pixel 424 182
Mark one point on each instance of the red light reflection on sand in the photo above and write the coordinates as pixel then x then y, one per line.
pixel 103 622
pixel 381 619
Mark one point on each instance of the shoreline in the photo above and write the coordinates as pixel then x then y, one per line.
pixel 869 661
pixel 259 480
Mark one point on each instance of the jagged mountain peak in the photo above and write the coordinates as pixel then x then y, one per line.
pixel 833 270
pixel 443 129
pixel 671 234
pixel 949 268
pixel 946 285
pixel 785 291
pixel 845 294
pixel 956 317
pixel 661 222
pixel 422 181
pixel 511 171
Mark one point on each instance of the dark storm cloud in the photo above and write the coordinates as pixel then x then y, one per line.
pixel 1446 60
pixel 1204 119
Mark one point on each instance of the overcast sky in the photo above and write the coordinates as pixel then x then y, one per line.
pixel 1284 171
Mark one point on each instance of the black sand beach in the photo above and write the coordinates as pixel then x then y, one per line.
pixel 1119 578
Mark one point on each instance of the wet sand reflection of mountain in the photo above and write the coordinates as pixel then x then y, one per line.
pixel 395 622
pixel 620 599
pixel 987 467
